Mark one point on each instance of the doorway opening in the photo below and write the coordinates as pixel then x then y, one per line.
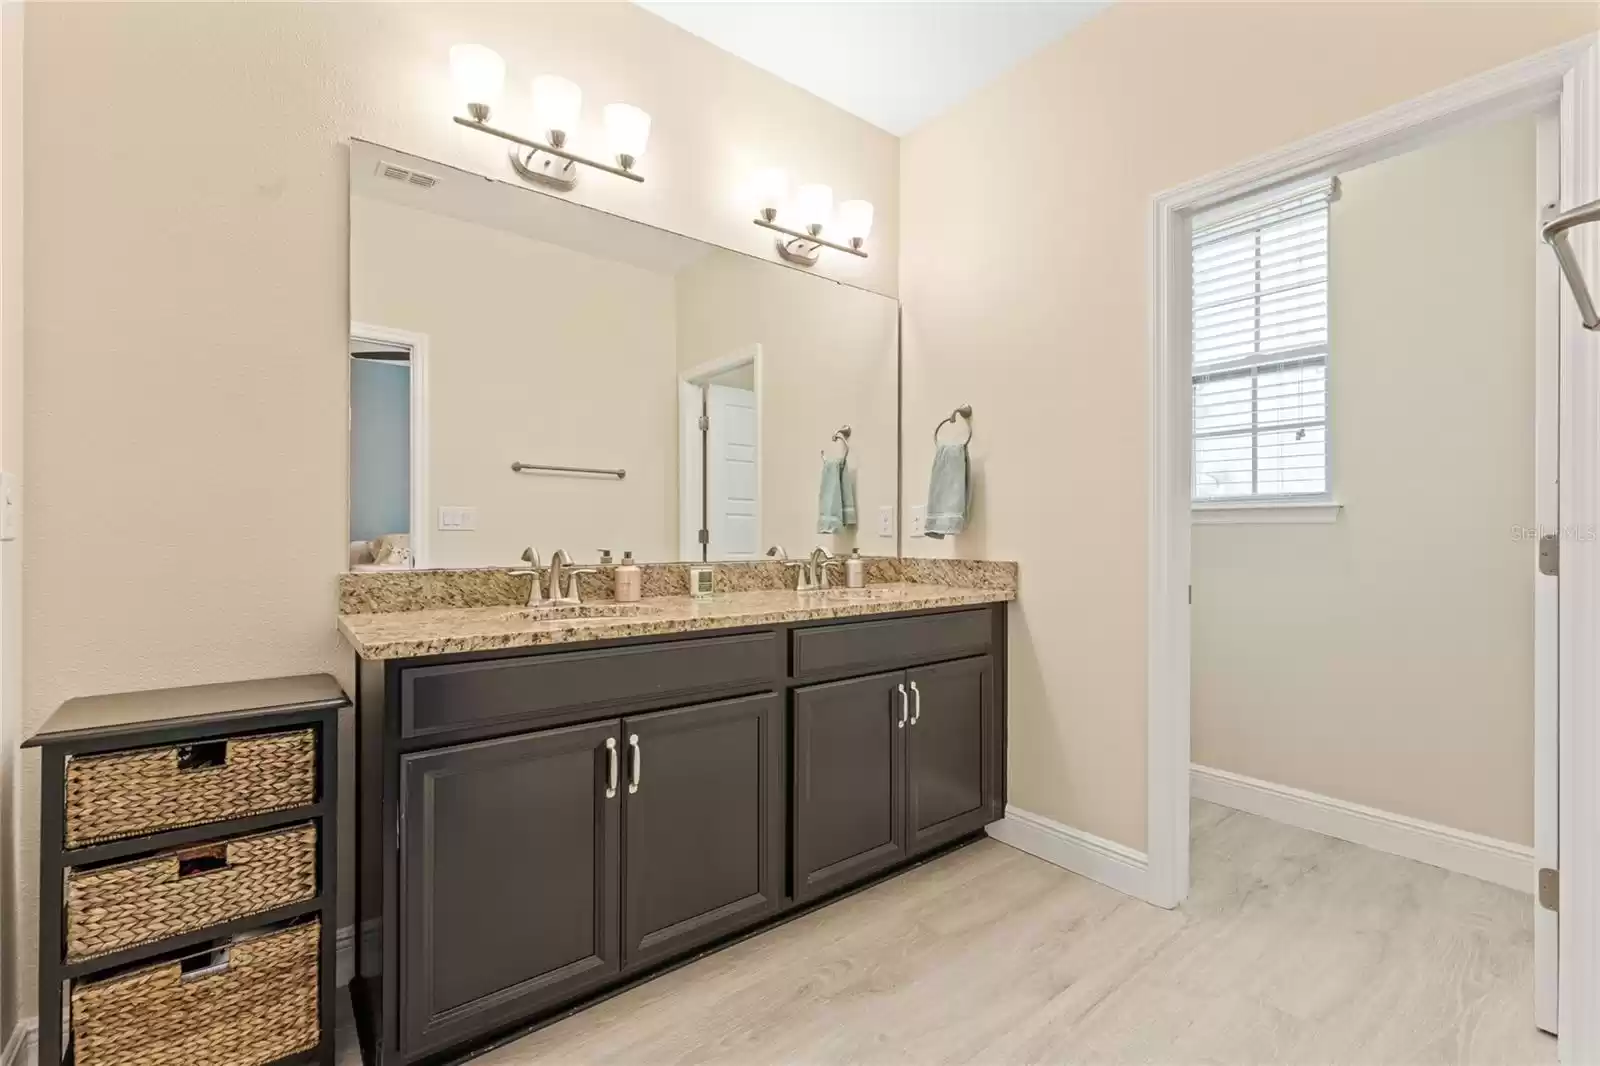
pixel 1569 76
pixel 720 452
pixel 388 449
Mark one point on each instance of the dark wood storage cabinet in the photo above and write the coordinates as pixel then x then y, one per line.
pixel 540 827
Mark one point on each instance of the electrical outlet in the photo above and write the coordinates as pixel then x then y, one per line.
pixel 919 520
pixel 886 521
pixel 458 519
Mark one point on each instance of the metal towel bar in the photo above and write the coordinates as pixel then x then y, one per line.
pixel 541 468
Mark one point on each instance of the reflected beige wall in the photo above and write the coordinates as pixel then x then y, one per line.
pixel 1025 296
pixel 1387 658
pixel 828 359
pixel 537 354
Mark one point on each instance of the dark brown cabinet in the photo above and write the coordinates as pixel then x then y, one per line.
pixel 510 873
pixel 538 827
pixel 703 826
pixel 951 766
pixel 889 766
pixel 849 781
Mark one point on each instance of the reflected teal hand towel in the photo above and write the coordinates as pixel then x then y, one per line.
pixel 830 497
pixel 947 492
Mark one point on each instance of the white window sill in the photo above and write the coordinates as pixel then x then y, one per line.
pixel 1265 512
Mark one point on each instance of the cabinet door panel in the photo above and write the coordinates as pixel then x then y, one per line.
pixel 703 834
pixel 849 782
pixel 948 751
pixel 509 880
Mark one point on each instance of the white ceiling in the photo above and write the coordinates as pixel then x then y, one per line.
pixel 895 64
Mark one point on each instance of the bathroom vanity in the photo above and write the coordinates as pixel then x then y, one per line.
pixel 541 825
pixel 559 794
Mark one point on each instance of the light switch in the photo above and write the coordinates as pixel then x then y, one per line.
pixel 886 521
pixel 919 519
pixel 458 519
pixel 10 506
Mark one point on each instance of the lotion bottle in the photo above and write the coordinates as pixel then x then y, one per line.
pixel 627 579
pixel 855 571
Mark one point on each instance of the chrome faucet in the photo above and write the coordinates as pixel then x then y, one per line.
pixel 818 567
pixel 558 562
pixel 561 564
pixel 531 557
pixel 802 570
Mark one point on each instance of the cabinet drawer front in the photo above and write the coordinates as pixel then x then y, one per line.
pixel 467 696
pixel 833 649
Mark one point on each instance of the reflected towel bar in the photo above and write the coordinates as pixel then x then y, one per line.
pixel 541 468
pixel 1554 233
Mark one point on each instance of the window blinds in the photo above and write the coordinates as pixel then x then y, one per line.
pixel 1260 347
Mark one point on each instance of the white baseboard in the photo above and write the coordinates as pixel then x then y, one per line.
pixel 1478 856
pixel 1115 865
pixel 22 1049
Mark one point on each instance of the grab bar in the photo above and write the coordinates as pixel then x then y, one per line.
pixel 542 468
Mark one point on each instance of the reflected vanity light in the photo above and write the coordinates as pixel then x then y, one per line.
pixel 813 209
pixel 479 74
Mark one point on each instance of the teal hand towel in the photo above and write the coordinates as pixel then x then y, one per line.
pixel 947 492
pixel 830 497
pixel 847 484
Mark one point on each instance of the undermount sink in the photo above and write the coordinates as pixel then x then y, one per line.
pixel 563 611
pixel 858 594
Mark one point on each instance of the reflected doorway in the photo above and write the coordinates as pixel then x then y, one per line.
pixel 719 483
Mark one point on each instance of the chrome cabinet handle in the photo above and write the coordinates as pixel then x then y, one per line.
pixel 634 764
pixel 917 711
pixel 611 767
pixel 905 705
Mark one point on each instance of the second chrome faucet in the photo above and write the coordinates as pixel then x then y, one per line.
pixel 811 574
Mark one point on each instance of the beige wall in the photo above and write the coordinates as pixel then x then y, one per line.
pixel 11 437
pixel 1025 296
pixel 1387 658
pixel 187 308
pixel 828 359
pixel 593 385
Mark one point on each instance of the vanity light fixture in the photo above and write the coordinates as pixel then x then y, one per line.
pixel 813 209
pixel 479 74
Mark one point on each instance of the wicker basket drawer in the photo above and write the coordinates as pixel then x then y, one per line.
pixel 112 908
pixel 132 793
pixel 250 1003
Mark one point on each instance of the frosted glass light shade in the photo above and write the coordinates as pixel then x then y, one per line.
pixel 479 75
pixel 813 204
pixel 770 187
pixel 854 221
pixel 556 103
pixel 628 130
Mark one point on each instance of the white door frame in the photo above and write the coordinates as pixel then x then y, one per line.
pixel 1567 74
pixel 418 344
pixel 690 471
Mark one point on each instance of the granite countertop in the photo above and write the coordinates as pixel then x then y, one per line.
pixel 445 631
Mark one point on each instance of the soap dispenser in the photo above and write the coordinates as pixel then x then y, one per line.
pixel 855 570
pixel 627 579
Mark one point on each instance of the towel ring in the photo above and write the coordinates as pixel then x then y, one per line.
pixel 842 435
pixel 965 411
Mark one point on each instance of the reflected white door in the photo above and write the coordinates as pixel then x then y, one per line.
pixel 732 507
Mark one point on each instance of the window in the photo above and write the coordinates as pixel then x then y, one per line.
pixel 1260 347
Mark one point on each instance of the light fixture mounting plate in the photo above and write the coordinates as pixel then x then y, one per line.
pixel 799 250
pixel 544 168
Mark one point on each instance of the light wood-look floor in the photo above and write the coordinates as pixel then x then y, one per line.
pixel 1292 948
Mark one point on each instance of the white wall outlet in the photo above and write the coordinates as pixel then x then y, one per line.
pixel 10 506
pixel 458 519
pixel 919 520
pixel 886 521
